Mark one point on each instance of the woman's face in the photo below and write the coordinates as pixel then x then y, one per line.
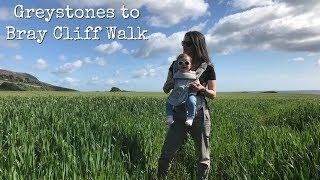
pixel 187 46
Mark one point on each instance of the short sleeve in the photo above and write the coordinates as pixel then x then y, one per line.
pixel 211 74
pixel 171 68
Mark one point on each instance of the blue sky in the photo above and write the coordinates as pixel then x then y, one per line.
pixel 254 45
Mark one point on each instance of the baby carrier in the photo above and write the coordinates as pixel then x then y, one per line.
pixel 181 91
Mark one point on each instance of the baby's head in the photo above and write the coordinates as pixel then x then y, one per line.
pixel 184 62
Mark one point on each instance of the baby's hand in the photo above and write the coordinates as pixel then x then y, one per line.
pixel 192 84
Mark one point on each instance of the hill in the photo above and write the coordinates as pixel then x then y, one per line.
pixel 317 92
pixel 15 81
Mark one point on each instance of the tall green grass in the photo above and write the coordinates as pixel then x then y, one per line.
pixel 119 136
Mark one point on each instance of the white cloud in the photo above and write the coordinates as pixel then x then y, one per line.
pixel 244 4
pixel 160 43
pixel 281 26
pixel 98 61
pixel 312 54
pixel 109 3
pixel 126 82
pixel 62 57
pixel 199 27
pixel 144 73
pixel 149 71
pixel 298 59
pixel 171 12
pixel 248 19
pixel 5 14
pixel 95 78
pixel 318 63
pixel 69 67
pixel 110 82
pixel 310 4
pixel 164 13
pixel 41 64
pixel 17 58
pixel 106 82
pixel 125 51
pixel 117 72
pixel 133 51
pixel 11 44
pixel 109 48
pixel 70 80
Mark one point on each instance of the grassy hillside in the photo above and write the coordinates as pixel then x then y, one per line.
pixel 15 81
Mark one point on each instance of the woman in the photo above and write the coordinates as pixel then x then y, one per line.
pixel 195 46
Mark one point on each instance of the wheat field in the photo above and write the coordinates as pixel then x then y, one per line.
pixel 119 136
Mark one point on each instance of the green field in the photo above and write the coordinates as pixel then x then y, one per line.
pixel 46 135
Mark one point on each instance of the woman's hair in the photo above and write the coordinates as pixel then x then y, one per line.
pixel 200 46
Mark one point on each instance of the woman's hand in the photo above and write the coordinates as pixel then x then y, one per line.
pixel 168 85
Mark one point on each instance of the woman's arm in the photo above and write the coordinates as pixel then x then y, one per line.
pixel 168 85
pixel 209 91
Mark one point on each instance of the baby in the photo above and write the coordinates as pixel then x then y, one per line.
pixel 180 93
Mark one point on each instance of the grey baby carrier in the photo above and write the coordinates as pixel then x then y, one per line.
pixel 182 82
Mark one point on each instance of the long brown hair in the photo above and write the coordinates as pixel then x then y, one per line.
pixel 200 46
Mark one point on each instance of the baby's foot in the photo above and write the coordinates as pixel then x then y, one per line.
pixel 189 121
pixel 169 120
